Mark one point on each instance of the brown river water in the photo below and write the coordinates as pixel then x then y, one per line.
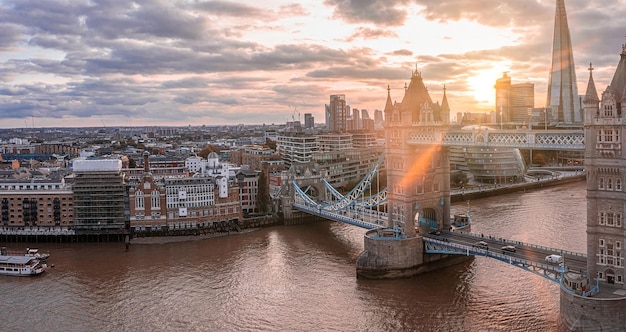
pixel 297 278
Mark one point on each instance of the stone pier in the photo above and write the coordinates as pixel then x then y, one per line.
pixel 387 256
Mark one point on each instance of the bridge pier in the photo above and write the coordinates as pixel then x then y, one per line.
pixel 602 313
pixel 388 256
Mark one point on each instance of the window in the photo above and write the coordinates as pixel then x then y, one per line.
pixel 601 242
pixel 601 218
pixel 608 135
pixel 608 110
pixel 155 200
pixel 601 183
pixel 618 184
pixel 139 202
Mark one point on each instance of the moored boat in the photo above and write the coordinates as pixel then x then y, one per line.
pixel 20 265
pixel 33 252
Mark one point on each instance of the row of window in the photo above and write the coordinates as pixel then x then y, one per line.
pixel 31 187
pixel 610 253
pixel 208 213
pixel 608 135
pixel 610 183
pixel 610 219
pixel 155 200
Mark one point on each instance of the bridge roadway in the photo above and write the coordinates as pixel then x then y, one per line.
pixel 527 256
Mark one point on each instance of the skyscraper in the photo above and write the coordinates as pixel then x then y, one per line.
pixel 338 113
pixel 522 102
pixel 503 99
pixel 563 101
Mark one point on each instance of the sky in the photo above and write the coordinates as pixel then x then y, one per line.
pixel 75 63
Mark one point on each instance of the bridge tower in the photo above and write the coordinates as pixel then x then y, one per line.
pixel 605 166
pixel 418 184
pixel 418 177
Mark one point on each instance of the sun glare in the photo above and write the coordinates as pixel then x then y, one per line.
pixel 481 82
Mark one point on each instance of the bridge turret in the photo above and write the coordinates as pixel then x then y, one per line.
pixel 591 101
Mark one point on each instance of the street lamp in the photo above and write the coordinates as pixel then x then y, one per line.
pixel 545 118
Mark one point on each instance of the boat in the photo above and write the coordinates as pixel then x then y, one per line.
pixel 20 265
pixel 461 220
pixel 33 252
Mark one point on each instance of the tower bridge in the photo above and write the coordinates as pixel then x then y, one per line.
pixel 418 136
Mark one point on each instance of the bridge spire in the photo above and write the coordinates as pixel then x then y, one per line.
pixel 591 96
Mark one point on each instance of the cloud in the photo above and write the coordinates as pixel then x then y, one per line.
pixel 379 12
pixel 233 62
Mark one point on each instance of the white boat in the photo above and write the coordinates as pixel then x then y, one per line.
pixel 21 266
pixel 33 252
pixel 461 220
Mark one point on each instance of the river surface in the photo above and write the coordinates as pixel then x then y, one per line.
pixel 297 278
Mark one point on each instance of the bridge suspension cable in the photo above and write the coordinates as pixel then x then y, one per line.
pixel 356 192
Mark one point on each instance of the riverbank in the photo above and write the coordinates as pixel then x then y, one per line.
pixel 461 195
pixel 186 238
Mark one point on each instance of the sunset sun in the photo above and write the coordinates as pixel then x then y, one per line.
pixel 481 83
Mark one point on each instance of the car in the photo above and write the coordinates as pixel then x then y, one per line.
pixel 554 259
pixel 508 248
pixel 435 232
pixel 481 245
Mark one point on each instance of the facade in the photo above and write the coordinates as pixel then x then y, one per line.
pixel 339 111
pixel 522 102
pixel 503 99
pixel 418 180
pixel 563 100
pixel 334 142
pixel 36 203
pixel 514 102
pixel 147 203
pixel 378 119
pixel 248 181
pixel 348 166
pixel 99 194
pixel 200 202
pixel 363 139
pixel 309 121
pixel 605 164
pixel 295 148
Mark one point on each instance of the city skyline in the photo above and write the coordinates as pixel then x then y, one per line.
pixel 108 63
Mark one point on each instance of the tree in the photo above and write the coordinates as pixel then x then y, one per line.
pixel 263 195
pixel 204 153
pixel 270 144
pixel 458 178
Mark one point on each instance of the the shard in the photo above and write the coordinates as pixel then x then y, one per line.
pixel 563 100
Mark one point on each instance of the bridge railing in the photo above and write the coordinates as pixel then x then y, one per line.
pixel 513 242
pixel 530 139
pixel 550 272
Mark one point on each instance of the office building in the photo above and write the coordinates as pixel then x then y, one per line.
pixel 514 102
pixel 563 100
pixel 338 113
pixel 99 193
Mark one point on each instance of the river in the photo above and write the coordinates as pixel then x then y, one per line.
pixel 298 278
